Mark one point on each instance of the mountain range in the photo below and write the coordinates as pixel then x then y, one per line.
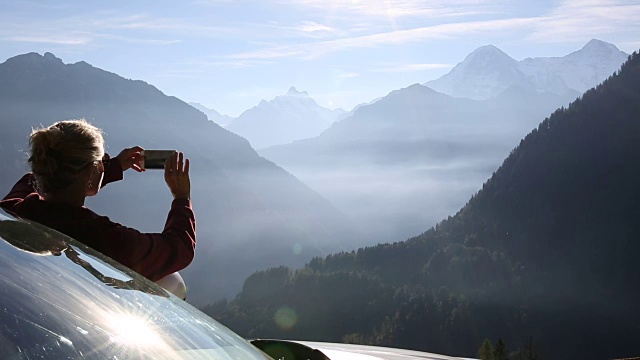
pixel 485 73
pixel 250 213
pixel 286 118
pixel 543 258
pixel 488 71
pixel 421 153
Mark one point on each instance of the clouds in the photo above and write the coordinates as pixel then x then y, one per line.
pixel 412 68
pixel 571 20
pixel 67 39
pixel 391 9
pixel 313 27
pixel 346 75
pixel 382 44
pixel 580 20
pixel 96 26
pixel 75 30
pixel 315 49
pixel 309 29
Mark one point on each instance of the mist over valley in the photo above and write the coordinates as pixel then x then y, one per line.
pixel 410 159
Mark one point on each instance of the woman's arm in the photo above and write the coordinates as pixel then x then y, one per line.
pixel 158 255
pixel 23 188
pixel 153 255
pixel 114 169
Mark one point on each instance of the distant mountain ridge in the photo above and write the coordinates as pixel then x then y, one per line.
pixel 216 117
pixel 250 212
pixel 286 118
pixel 488 71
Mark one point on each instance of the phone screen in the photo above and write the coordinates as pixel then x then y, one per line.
pixel 155 159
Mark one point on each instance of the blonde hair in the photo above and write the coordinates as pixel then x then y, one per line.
pixel 62 150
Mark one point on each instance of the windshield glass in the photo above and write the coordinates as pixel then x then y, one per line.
pixel 61 300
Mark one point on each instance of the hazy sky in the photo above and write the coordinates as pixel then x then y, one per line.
pixel 228 55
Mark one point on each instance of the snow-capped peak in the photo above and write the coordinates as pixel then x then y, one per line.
pixel 487 52
pixel 487 72
pixel 599 46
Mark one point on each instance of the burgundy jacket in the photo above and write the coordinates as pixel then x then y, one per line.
pixel 153 255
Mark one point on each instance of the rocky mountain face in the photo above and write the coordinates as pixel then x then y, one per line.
pixel 488 71
pixel 286 118
pixel 251 214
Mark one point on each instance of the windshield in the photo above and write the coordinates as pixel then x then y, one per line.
pixel 61 300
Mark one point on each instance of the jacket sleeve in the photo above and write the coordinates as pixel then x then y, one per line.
pixel 23 188
pixel 153 255
pixel 112 171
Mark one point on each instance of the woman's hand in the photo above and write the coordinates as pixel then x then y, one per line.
pixel 176 175
pixel 131 158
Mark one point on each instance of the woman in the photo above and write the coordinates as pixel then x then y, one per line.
pixel 68 164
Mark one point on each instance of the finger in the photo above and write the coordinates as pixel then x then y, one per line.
pixel 170 165
pixel 137 153
pixel 173 162
pixel 137 157
pixel 186 167
pixel 167 165
pixel 137 168
pixel 128 152
pixel 180 161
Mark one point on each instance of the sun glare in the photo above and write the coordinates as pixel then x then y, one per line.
pixel 132 330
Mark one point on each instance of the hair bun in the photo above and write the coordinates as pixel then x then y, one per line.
pixel 61 151
pixel 44 157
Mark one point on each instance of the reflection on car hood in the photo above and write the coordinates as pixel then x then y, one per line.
pixel 62 300
pixel 285 349
pixel 336 351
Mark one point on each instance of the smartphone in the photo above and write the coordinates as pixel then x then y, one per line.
pixel 155 159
